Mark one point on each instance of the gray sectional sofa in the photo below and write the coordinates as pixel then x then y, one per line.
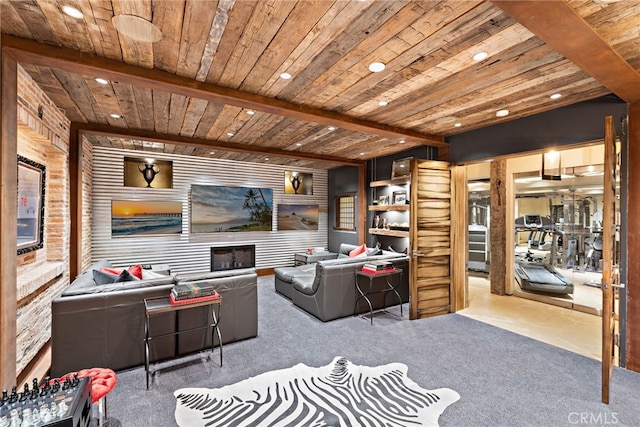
pixel 103 325
pixel 327 289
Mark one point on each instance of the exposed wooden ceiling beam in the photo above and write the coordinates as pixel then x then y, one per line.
pixel 106 130
pixel 562 29
pixel 31 52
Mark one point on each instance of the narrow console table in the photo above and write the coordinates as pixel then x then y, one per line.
pixel 159 305
pixel 303 258
pixel 392 280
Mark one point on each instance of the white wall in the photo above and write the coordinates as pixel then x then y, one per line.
pixel 187 252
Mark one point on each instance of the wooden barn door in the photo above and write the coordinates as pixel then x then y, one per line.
pixel 430 286
pixel 610 256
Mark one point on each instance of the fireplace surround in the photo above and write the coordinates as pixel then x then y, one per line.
pixel 233 257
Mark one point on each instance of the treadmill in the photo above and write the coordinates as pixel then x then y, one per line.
pixel 532 273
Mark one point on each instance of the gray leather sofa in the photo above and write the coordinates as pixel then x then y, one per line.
pixel 327 289
pixel 103 325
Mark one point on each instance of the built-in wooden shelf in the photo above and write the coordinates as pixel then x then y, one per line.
pixel 388 207
pixel 401 180
pixel 385 232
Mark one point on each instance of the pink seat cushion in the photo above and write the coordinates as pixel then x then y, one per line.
pixel 103 380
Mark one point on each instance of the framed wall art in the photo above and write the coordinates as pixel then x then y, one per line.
pixel 298 217
pixel 148 172
pixel 31 186
pixel 217 209
pixel 144 217
pixel 298 183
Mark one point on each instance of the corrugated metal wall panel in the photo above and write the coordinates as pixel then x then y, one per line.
pixel 187 252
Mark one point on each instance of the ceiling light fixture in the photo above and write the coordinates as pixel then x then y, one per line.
pixel 266 158
pixel 402 141
pixel 362 154
pixel 285 76
pixel 72 12
pixel 102 81
pixel 298 144
pixel 331 128
pixel 376 67
pixel 230 134
pixel 382 103
pixel 458 125
pixel 115 116
pixel 502 113
pixel 555 96
pixel 137 28
pixel 250 112
pixel 480 56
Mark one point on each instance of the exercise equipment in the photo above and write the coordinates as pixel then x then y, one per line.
pixel 535 271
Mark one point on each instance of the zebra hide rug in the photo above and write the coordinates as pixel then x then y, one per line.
pixel 339 394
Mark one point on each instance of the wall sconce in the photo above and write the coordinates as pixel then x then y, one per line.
pixel 149 171
pixel 551 168
pixel 296 181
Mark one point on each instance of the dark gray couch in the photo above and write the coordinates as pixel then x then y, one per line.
pixel 103 326
pixel 327 289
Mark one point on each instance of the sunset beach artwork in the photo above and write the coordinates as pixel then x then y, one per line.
pixel 216 209
pixel 132 217
pixel 298 217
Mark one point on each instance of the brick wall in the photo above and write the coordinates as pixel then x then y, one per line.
pixel 43 136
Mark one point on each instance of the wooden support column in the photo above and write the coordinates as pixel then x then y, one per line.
pixel 361 225
pixel 8 218
pixel 459 239
pixel 75 201
pixel 497 227
pixel 633 241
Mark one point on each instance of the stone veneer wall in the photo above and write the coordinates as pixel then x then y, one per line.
pixel 43 136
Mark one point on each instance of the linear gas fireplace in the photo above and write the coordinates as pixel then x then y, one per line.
pixel 233 257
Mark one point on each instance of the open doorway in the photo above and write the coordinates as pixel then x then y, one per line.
pixel 556 226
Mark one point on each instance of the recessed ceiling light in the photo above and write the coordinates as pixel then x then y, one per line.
pixel 362 154
pixel 382 103
pixel 376 67
pixel 480 56
pixel 137 28
pixel 298 144
pixel 212 152
pixel 502 113
pixel 458 125
pixel 331 128
pixel 115 116
pixel 266 158
pixel 230 134
pixel 285 76
pixel 72 12
pixel 402 141
pixel 250 112
pixel 555 96
pixel 102 81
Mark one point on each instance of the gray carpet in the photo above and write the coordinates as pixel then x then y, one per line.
pixel 503 379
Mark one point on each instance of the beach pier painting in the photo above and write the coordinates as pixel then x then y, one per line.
pixel 298 217
pixel 133 217
pixel 217 209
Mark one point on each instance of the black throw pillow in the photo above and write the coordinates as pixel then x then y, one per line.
pixel 102 278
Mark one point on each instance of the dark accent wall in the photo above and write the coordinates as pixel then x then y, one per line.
pixel 572 124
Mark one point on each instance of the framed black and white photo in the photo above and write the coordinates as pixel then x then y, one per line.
pixel 399 197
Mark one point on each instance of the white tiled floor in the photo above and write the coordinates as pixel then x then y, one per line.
pixel 572 330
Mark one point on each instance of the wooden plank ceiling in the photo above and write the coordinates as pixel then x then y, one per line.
pixel 216 62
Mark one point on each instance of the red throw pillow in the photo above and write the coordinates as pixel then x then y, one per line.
pixel 134 270
pixel 357 251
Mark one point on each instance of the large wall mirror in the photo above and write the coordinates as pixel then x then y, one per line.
pixel 31 184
